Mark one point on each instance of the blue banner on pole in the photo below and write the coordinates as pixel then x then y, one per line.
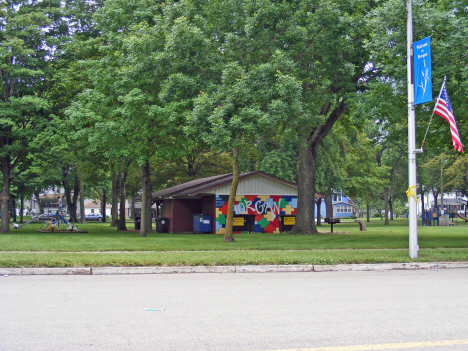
pixel 422 71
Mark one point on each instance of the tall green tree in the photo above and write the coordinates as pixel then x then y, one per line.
pixel 446 22
pixel 326 41
pixel 30 33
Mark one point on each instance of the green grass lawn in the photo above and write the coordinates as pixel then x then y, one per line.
pixel 104 246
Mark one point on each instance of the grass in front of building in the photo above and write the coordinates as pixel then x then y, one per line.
pixel 105 246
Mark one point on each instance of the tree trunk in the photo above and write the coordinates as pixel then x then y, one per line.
pixel 390 205
pixel 305 223
pixel 318 202
pixel 5 196
pixel 21 208
pixel 13 206
pixel 122 177
pixel 385 194
pixel 115 199
pixel 328 206
pixel 368 213
pixel 422 200
pixel 228 236
pixel 435 194
pixel 72 201
pixel 146 201
pixel 82 207
pixel 310 141
pixel 103 204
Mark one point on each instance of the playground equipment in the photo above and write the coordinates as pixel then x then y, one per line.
pixel 58 224
pixel 431 217
pixel 53 223
pixel 462 217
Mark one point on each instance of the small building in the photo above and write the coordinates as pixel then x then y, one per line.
pixel 260 202
pixel 94 206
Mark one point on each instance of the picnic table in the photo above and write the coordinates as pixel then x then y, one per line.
pixel 331 221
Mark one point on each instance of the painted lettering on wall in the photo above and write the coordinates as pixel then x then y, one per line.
pixel 260 207
pixel 265 209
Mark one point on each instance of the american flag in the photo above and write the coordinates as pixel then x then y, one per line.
pixel 444 109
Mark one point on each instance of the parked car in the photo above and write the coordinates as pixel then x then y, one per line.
pixel 92 217
pixel 45 217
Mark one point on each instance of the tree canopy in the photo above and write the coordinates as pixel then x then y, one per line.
pixel 99 94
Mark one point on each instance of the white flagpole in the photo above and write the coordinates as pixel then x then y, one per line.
pixel 413 219
pixel 440 93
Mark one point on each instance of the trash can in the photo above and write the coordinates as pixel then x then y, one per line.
pixel 137 223
pixel 286 222
pixel 162 225
pixel 201 224
pixel 243 223
pixel 447 219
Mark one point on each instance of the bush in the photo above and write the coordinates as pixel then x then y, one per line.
pixel 376 215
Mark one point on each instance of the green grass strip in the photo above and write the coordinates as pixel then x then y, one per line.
pixel 216 258
pixel 104 246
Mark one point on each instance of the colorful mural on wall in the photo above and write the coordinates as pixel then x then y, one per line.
pixel 266 209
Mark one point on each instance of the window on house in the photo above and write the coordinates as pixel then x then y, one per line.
pixel 92 210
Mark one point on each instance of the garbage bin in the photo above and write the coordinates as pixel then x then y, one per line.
pixel 201 224
pixel 137 222
pixel 162 225
pixel 447 219
pixel 286 222
pixel 243 223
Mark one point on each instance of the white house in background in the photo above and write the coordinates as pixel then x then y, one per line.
pixel 449 199
pixel 94 206
pixel 50 203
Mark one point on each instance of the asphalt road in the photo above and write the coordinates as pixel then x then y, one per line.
pixel 416 310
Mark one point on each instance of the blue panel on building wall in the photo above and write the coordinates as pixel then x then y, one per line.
pixel 258 228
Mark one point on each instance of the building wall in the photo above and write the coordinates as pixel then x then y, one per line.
pixel 266 209
pixel 259 185
pixel 168 212
pixel 180 213
pixel 209 209
pixel 184 209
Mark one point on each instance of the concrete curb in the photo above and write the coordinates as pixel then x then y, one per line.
pixel 231 269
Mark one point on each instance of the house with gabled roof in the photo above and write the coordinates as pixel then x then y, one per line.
pixel 261 201
pixel 342 205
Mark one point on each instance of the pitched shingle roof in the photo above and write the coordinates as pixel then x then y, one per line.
pixel 199 186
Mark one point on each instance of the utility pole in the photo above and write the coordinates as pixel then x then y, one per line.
pixel 413 219
pixel 442 190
